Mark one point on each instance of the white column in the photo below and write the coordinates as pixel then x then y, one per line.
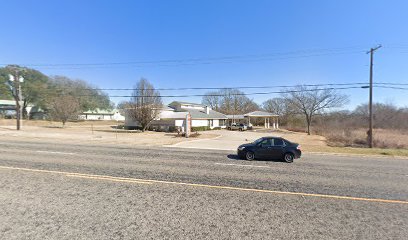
pixel 266 126
pixel 277 122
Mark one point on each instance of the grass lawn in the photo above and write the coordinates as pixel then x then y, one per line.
pixel 352 150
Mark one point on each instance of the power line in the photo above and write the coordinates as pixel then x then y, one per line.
pixel 359 84
pixel 393 84
pixel 211 60
pixel 220 88
pixel 237 94
pixel 249 94
pixel 399 88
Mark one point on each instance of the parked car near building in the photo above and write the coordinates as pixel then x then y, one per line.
pixel 239 127
pixel 270 148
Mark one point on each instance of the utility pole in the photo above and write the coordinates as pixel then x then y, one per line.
pixel 15 85
pixel 370 104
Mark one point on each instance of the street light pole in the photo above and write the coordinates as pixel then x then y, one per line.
pixel 370 104
pixel 15 80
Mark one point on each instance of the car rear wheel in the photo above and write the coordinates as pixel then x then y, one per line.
pixel 250 156
pixel 288 157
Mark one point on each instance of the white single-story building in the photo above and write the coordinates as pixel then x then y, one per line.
pixel 10 106
pixel 175 115
pixel 100 114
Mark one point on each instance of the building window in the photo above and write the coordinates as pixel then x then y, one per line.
pixel 210 122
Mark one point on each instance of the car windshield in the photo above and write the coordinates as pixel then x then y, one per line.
pixel 258 141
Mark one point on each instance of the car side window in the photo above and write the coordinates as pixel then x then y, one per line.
pixel 278 142
pixel 266 143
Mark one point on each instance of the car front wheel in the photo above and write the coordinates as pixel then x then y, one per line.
pixel 250 156
pixel 288 157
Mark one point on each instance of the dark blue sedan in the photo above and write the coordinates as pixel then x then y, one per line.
pixel 270 148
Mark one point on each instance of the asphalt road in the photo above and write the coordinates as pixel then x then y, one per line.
pixel 52 191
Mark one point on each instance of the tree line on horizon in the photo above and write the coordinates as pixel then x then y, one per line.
pixel 300 107
pixel 60 97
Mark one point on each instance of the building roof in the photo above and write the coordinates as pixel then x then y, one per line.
pixel 260 114
pixel 11 104
pixel 172 115
pixel 7 102
pixel 167 108
pixel 186 103
pixel 101 112
pixel 235 116
pixel 201 114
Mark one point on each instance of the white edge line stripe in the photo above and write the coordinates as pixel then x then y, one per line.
pixel 67 153
pixel 241 165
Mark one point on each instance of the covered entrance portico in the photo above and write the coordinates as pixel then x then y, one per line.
pixel 267 116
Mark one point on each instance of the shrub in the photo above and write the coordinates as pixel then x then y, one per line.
pixel 172 129
pixel 204 128
pixel 295 129
pixel 132 128
pixel 197 129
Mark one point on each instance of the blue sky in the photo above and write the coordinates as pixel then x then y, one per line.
pixel 339 32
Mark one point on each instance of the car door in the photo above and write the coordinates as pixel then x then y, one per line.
pixel 264 148
pixel 276 150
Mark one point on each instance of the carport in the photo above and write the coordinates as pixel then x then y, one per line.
pixel 235 119
pixel 265 115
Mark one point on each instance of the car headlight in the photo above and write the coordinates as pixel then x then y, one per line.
pixel 241 148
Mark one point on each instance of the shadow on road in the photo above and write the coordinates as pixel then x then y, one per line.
pixel 235 157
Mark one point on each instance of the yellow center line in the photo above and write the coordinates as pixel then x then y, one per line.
pixel 107 178
pixel 150 181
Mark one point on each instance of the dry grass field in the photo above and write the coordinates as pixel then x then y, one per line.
pixel 387 142
pixel 383 138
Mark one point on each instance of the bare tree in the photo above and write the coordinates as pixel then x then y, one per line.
pixel 213 100
pixel 145 103
pixel 230 101
pixel 64 108
pixel 312 101
pixel 386 115
pixel 277 106
pixel 281 107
